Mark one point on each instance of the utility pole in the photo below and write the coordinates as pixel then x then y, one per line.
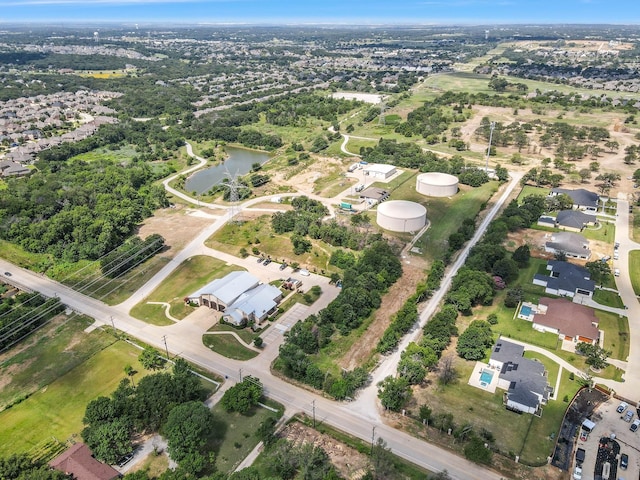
pixel 114 326
pixel 373 437
pixel 166 349
pixel 313 404
pixel 492 126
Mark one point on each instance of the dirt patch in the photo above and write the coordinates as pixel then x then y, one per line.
pixel 178 226
pixel 305 181
pixel 391 303
pixel 349 462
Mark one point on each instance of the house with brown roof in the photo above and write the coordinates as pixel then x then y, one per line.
pixel 568 320
pixel 79 462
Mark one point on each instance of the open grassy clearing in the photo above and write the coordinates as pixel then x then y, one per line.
pixel 355 144
pixel 608 298
pixel 192 274
pixel 257 233
pixel 603 232
pixel 122 154
pixel 57 409
pixel 635 226
pixel 235 434
pixel 529 190
pixel 616 334
pixel 228 346
pixel 48 354
pixel 332 182
pixel 446 214
pixel 634 270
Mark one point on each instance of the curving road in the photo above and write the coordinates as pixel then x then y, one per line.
pixel 184 338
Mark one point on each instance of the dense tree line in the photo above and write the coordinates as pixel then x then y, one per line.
pixel 377 268
pixel 23 467
pixel 23 313
pixel 429 121
pixel 407 316
pixel 78 210
pixel 294 110
pixel 110 422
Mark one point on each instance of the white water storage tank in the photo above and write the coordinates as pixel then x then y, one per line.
pixel 436 184
pixel 401 216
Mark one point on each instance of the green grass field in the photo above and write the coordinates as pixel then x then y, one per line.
pixel 122 154
pixel 245 334
pixel 608 298
pixel 257 233
pixel 529 190
pixel 46 355
pixel 228 346
pixel 446 215
pixel 57 409
pixel 192 274
pixel 236 435
pixel 616 334
pixel 634 270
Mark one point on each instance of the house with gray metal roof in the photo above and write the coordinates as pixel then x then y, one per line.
pixel 566 280
pixel 582 199
pixel 524 380
pixel 571 244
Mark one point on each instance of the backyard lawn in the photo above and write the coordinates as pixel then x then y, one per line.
pixel 192 274
pixel 616 334
pixel 529 190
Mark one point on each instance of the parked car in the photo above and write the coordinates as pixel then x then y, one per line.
pixel 616 245
pixel 624 461
pixel 304 272
pixel 605 259
pixel 267 261
pixel 577 473
pixel 616 255
pixel 616 272
pixel 260 259
pixel 628 416
pixel 7 274
pixel 283 266
pixel 622 407
pixel 634 426
pixel 583 435
pixel 124 460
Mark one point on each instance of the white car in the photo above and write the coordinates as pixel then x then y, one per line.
pixel 304 272
pixel 616 272
pixel 577 473
pixel 622 407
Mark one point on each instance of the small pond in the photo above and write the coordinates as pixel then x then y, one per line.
pixel 239 161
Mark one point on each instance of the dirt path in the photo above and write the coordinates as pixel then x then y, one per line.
pixel 391 303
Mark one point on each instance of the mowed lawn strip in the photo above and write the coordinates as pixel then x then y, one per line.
pixel 192 274
pixel 634 270
pixel 228 346
pixel 57 410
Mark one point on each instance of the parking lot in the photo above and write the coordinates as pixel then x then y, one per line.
pixel 608 422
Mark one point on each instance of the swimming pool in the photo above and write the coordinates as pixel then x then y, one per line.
pixel 485 377
pixel 525 310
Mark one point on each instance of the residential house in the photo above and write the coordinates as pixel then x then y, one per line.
pixel 582 199
pixel 571 244
pixel 574 220
pixel 567 319
pixel 78 462
pixel 524 380
pixel 547 221
pixel 566 280
pixel 253 306
pixel 9 168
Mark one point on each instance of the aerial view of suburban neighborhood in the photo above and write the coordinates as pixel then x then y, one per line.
pixel 364 249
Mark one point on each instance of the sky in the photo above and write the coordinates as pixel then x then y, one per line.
pixel 347 12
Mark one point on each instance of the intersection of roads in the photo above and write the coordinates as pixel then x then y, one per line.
pixel 360 417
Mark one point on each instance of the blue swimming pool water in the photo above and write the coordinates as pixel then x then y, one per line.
pixel 486 376
pixel 525 310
